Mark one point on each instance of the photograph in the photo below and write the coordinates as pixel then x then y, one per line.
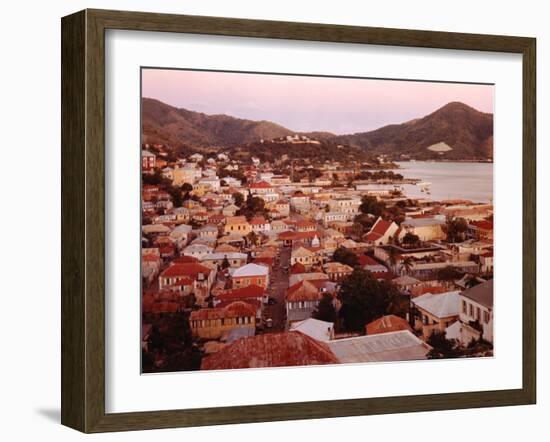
pixel 292 220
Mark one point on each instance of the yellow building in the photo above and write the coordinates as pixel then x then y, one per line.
pixel 237 225
pixel 214 323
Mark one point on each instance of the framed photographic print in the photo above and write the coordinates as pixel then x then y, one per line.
pixel 268 221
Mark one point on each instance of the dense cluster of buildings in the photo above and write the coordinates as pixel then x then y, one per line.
pixel 250 283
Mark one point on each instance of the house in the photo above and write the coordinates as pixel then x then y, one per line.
pixel 435 312
pixel 235 259
pixel 319 330
pixel 486 262
pixel 198 277
pixel 147 160
pixel 208 231
pixel 476 315
pixel 406 283
pixel 368 263
pixel 230 210
pixel 260 225
pixel 283 207
pixel 214 323
pixel 429 270
pixel 299 201
pixel 150 266
pixel 331 217
pixel 481 230
pixel 302 298
pixel 427 229
pixel 253 295
pixel 270 350
pixel 237 225
pixel 381 232
pixel 260 188
pixel 393 346
pixel 198 251
pixel 387 324
pixel 337 271
pixel 250 274
pixel 188 174
pixel 305 256
pixel 305 226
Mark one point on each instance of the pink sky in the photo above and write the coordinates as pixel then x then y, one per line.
pixel 307 103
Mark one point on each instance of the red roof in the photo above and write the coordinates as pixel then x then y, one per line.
pixel 303 291
pixel 297 268
pixel 188 269
pixel 258 220
pixel 260 185
pixel 380 226
pixel 372 236
pixel 184 260
pixel 385 324
pixel 252 291
pixel 304 224
pixel 483 224
pixel 365 260
pixel 236 309
pixel 271 350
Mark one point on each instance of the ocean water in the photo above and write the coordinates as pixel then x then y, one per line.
pixel 449 180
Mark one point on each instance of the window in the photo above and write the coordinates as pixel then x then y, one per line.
pixel 478 314
pixel 486 317
pixel 471 310
pixel 464 307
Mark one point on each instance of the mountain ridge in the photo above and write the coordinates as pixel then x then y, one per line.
pixel 467 131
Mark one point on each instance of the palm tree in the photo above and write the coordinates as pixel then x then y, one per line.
pixel 407 264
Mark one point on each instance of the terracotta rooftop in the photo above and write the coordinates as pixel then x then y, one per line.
pixel 187 269
pixel 385 324
pixel 303 291
pixel 236 309
pixel 271 350
pixel 252 291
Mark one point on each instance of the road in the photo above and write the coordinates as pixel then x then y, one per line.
pixel 278 287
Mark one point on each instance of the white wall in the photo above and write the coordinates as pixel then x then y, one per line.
pixel 30 108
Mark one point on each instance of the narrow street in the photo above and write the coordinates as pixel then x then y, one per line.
pixel 278 287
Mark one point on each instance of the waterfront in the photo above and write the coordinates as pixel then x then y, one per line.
pixel 450 180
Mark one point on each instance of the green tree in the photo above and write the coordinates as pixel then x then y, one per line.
pixel 325 310
pixel 442 348
pixel 370 205
pixel 186 187
pixel 411 239
pixel 408 263
pixel 225 263
pixel 448 273
pixel 238 198
pixel 455 228
pixel 364 299
pixel 345 256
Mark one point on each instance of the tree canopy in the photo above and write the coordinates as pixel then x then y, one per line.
pixel 365 299
pixel 345 256
pixel 325 310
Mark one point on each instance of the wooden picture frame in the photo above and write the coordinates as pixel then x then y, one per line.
pixel 83 220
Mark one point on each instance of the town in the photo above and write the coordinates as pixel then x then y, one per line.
pixel 248 263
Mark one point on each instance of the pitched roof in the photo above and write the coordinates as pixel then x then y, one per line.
pixel 314 328
pixel 481 293
pixel 236 220
pixel 237 309
pixel 381 226
pixel 303 291
pixel 252 291
pixel 297 269
pixel 258 220
pixel 250 270
pixel 385 324
pixel 393 346
pixel 440 305
pixel 270 350
pixel 187 269
pixel 260 185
